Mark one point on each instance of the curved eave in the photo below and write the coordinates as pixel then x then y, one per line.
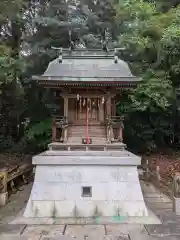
pixel 45 80
pixel 116 84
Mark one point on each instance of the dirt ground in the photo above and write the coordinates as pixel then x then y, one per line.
pixel 168 165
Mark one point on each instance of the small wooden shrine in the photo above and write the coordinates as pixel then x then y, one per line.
pixel 87 84
pixel 87 175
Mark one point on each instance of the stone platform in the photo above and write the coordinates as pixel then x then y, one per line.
pixel 75 185
pixel 116 146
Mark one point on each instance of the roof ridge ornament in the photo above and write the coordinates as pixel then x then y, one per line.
pixel 72 45
pixel 60 52
pixel 60 55
pixel 104 46
pixel 104 42
pixel 115 55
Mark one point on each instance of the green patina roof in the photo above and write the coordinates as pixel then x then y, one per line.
pixel 88 65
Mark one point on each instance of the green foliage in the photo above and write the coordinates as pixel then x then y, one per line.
pixel 151 39
pixel 6 143
pixel 11 68
pixel 39 134
pixel 154 94
pixel 39 129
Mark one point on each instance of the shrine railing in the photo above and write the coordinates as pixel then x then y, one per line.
pixel 114 123
pixel 59 122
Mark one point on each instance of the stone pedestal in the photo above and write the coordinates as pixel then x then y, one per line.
pixel 3 198
pixel 176 205
pixel 86 184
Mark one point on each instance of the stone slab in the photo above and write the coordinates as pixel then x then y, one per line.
pixel 3 198
pixel 159 205
pixel 61 238
pixel 168 217
pixel 118 229
pixel 106 237
pixel 102 192
pixel 114 237
pixel 92 231
pixel 150 219
pixel 56 146
pixel 86 158
pixel 176 205
pixel 141 234
pixel 82 174
pixel 57 191
pixel 43 230
pixel 157 200
pixel 170 229
pixel 11 237
pixel 86 209
pixel 12 229
pixel 158 196
pixel 87 153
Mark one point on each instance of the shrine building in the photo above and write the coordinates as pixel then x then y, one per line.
pixel 87 174
pixel 87 84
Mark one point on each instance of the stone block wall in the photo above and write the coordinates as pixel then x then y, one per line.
pixel 62 191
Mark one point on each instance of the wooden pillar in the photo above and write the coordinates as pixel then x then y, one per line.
pixel 66 106
pixel 113 107
pixel 108 106
pixel 54 130
pixel 101 110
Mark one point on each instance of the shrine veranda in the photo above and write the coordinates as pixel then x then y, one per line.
pixel 86 171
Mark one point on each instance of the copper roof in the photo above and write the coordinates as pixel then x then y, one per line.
pixel 87 65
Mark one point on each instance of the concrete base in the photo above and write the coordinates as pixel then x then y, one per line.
pixel 3 198
pixel 148 220
pixel 176 205
pixel 86 185
pixel 57 146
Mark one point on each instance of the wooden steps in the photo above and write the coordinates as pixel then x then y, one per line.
pixel 76 133
pixel 78 140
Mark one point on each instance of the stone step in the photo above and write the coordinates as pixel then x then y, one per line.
pixel 82 131
pixel 80 135
pixel 84 135
pixel 95 129
pixel 84 127
pixel 76 132
pixel 80 141
pixel 80 138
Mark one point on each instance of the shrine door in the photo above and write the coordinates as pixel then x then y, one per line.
pixel 90 105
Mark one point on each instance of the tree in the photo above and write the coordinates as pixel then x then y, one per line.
pixel 150 38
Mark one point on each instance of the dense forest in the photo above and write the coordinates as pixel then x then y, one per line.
pixel 149 33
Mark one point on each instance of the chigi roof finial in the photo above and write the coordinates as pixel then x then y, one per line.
pixel 60 55
pixel 115 55
pixel 72 45
pixel 104 42
pixel 60 52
